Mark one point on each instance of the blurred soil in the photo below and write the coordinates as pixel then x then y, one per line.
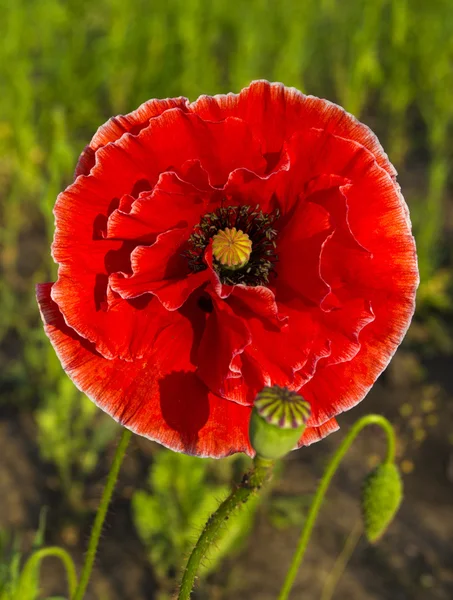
pixel 414 560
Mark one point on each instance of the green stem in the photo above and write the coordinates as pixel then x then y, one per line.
pixel 342 561
pixel 251 483
pixel 323 486
pixel 101 514
pixel 33 562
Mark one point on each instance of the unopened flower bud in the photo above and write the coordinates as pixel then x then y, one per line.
pixel 382 494
pixel 278 420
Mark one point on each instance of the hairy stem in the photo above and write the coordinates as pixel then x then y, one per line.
pixel 101 514
pixel 251 484
pixel 378 420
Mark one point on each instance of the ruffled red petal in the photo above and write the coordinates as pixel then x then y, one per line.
pixel 300 243
pixel 315 434
pixel 387 275
pixel 339 387
pixel 159 396
pixel 256 301
pixel 220 147
pixel 245 376
pixel 222 290
pixel 160 269
pixel 321 160
pixel 172 203
pixel 224 339
pixel 245 187
pixel 282 351
pixel 115 127
pixel 117 327
pixel 275 112
pixel 86 258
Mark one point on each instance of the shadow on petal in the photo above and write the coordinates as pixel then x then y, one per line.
pixel 185 406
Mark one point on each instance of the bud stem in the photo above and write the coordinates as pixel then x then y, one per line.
pixel 342 561
pixel 378 420
pixel 27 581
pixel 251 484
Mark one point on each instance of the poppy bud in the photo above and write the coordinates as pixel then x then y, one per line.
pixel 382 494
pixel 278 420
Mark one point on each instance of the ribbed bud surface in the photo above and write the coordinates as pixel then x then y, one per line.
pixel 278 420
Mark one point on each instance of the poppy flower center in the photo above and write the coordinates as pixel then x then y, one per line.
pixel 231 248
pixel 243 244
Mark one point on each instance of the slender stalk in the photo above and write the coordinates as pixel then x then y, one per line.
pixel 342 561
pixel 323 486
pixel 251 484
pixel 101 514
pixel 34 561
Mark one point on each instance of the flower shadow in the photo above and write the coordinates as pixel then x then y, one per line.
pixel 184 403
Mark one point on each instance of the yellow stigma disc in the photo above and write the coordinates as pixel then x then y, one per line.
pixel 231 248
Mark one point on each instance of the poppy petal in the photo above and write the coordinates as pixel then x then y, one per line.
pixel 172 203
pixel 315 434
pixel 220 147
pixel 160 269
pixel 275 112
pixel 159 397
pixel 115 127
pixel 224 339
pixel 390 280
pixel 299 246
pixel 83 255
pixel 282 353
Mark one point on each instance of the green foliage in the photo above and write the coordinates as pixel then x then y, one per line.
pixel 11 565
pixel 185 491
pixel 285 512
pixel 72 433
pixel 10 562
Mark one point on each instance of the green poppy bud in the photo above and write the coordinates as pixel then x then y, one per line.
pixel 382 494
pixel 278 420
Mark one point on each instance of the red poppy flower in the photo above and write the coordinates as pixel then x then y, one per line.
pixel 206 250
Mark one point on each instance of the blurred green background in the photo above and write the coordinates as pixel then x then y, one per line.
pixel 66 66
